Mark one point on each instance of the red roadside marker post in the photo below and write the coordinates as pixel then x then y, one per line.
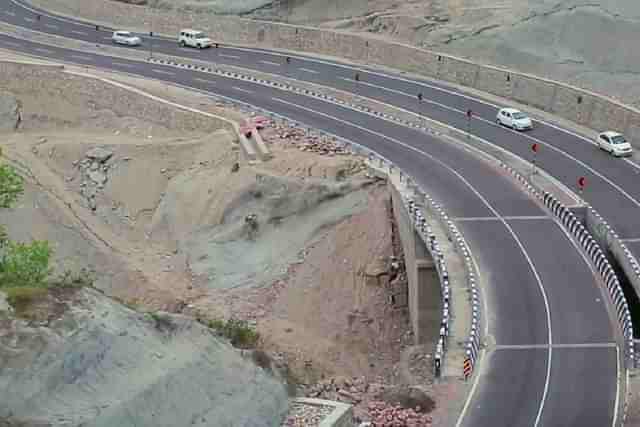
pixel 582 183
pixel 534 148
pixel 469 116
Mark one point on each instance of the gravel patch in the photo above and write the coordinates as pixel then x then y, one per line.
pixel 303 415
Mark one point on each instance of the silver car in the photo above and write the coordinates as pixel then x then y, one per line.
pixel 126 38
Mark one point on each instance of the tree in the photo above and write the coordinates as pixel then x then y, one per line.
pixel 21 264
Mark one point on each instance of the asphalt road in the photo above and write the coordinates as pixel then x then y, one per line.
pixel 540 291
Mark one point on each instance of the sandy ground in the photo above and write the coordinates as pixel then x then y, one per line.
pixel 158 215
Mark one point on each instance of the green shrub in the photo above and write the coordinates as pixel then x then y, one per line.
pixel 25 264
pixel 237 331
pixel 71 279
pixel 20 298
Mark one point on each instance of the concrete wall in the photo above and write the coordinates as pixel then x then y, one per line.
pixel 423 286
pixel 581 106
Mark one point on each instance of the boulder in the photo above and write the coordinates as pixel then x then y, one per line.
pixel 99 154
pixel 97 177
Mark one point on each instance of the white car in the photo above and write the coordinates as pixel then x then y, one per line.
pixel 194 38
pixel 515 119
pixel 126 38
pixel 615 143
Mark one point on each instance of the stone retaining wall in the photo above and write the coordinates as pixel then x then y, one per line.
pixel 98 95
pixel 581 106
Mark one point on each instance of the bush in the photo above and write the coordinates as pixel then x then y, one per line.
pixel 25 264
pixel 70 279
pixel 237 331
pixel 20 298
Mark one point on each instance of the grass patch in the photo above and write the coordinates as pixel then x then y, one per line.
pixel 21 298
pixel 237 331
pixel 71 279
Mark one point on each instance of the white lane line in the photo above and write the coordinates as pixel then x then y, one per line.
pixel 604 296
pixel 84 58
pixel 522 134
pixel 14 44
pixel 29 19
pixel 51 26
pixel 269 63
pixel 205 80
pixel 634 240
pixel 168 73
pixel 240 89
pixel 120 64
pixel 545 346
pixel 10 13
pixel 82 33
pixel 224 55
pixel 492 209
pixel 508 218
pixel 307 70
pixel 618 379
pixel 43 50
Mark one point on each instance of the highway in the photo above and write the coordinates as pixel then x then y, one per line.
pixel 554 362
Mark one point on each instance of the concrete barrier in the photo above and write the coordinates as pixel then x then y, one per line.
pixel 579 105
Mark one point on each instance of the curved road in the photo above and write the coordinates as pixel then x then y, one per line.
pixel 555 359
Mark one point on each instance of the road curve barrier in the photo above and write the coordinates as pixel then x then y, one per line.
pixel 592 248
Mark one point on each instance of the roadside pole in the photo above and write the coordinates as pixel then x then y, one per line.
pixel 582 183
pixel 534 148
pixel 469 116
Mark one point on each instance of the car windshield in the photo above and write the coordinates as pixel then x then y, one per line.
pixel 519 116
pixel 200 36
pixel 618 139
pixel 124 34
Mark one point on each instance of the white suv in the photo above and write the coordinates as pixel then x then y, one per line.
pixel 194 38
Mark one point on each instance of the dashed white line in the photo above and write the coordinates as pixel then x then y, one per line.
pixel 14 44
pixel 120 64
pixel 307 70
pixel 43 50
pixel 84 58
pixel 8 12
pixel 29 19
pixel 169 73
pixel 240 89
pixel 270 63
pixel 205 80
pixel 545 346
pixel 509 218
pixel 224 55
pixel 51 26
pixel 82 33
pixel 632 240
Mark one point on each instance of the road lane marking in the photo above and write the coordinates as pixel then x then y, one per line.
pixel 545 346
pixel 169 73
pixel 84 58
pixel 205 80
pixel 522 134
pixel 307 70
pixel 632 240
pixel 82 33
pixel 14 44
pixel 43 50
pixel 51 26
pixel 269 62
pixel 29 19
pixel 240 89
pixel 224 55
pixel 492 218
pixel 493 210
pixel 120 64
pixel 618 379
pixel 10 13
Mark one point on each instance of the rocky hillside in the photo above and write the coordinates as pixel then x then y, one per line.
pixel 84 359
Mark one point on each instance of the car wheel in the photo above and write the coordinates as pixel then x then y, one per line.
pixel 199 46
pixel 183 44
pixel 498 122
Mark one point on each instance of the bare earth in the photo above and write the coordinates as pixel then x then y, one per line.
pixel 158 214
